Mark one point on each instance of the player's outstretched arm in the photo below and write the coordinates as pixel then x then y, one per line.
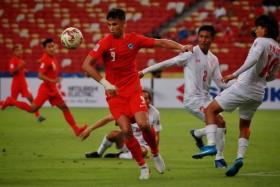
pixel 170 44
pixel 181 58
pixel 100 123
pixel 93 73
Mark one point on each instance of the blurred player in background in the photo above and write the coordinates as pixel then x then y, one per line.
pixel 19 83
pixel 48 91
pixel 200 67
pixel 123 90
pixel 116 136
pixel 261 65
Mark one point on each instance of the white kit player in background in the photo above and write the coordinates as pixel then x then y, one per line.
pixel 117 137
pixel 261 65
pixel 200 68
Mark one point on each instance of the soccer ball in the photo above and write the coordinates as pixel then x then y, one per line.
pixel 71 38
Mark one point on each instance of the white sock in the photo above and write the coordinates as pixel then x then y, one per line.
pixel 220 142
pixel 210 131
pixel 199 132
pixel 242 147
pixel 105 144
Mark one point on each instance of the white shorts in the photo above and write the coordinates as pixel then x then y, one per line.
pixel 196 106
pixel 229 100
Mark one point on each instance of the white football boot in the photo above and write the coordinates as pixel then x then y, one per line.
pixel 144 172
pixel 159 163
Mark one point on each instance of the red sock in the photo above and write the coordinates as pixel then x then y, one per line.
pixel 37 114
pixel 71 121
pixel 22 105
pixel 150 138
pixel 133 145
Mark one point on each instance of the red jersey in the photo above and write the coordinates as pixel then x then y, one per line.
pixel 20 75
pixel 119 55
pixel 49 67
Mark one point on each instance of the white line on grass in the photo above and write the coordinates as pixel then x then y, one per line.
pixel 263 174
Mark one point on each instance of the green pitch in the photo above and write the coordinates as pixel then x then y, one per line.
pixel 48 154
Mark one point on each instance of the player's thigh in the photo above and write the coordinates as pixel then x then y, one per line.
pixel 57 100
pixel 15 91
pixel 228 100
pixel 248 109
pixel 119 106
pixel 42 96
pixel 137 103
pixel 25 92
pixel 197 107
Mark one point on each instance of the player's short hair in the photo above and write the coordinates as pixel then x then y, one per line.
pixel 208 28
pixel 17 46
pixel 116 13
pixel 149 92
pixel 270 23
pixel 46 41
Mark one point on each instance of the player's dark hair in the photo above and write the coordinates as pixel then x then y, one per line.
pixel 208 28
pixel 149 92
pixel 46 41
pixel 17 46
pixel 116 13
pixel 271 25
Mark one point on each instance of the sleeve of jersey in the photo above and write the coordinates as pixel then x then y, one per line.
pixel 177 60
pixel 98 49
pixel 253 55
pixel 12 66
pixel 145 42
pixel 43 67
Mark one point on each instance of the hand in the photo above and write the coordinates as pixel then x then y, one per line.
pixel 111 89
pixel 228 78
pixel 140 74
pixel 186 48
pixel 85 134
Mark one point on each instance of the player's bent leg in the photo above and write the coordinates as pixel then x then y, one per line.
pixel 70 119
pixel 37 113
pixel 198 140
pixel 130 141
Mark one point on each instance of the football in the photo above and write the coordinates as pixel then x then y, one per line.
pixel 71 38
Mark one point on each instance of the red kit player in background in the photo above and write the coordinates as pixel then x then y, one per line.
pixel 122 85
pixel 48 91
pixel 19 83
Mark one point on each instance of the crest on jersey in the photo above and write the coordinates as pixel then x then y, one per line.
pixel 96 47
pixel 130 46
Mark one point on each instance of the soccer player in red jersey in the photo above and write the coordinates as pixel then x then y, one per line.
pixel 122 85
pixel 19 83
pixel 48 91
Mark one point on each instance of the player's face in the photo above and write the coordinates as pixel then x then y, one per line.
pixel 18 51
pixel 116 27
pixel 51 48
pixel 204 40
pixel 147 98
pixel 260 31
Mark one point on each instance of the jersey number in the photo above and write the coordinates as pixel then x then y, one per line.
pixel 113 55
pixel 269 66
pixel 204 75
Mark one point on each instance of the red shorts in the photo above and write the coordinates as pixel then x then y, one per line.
pixel 20 88
pixel 127 106
pixel 48 94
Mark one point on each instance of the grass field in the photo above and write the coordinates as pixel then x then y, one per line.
pixel 48 154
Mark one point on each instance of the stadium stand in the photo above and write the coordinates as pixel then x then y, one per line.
pixel 29 21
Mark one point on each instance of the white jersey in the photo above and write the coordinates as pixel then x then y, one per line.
pixel 154 119
pixel 263 57
pixel 199 70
